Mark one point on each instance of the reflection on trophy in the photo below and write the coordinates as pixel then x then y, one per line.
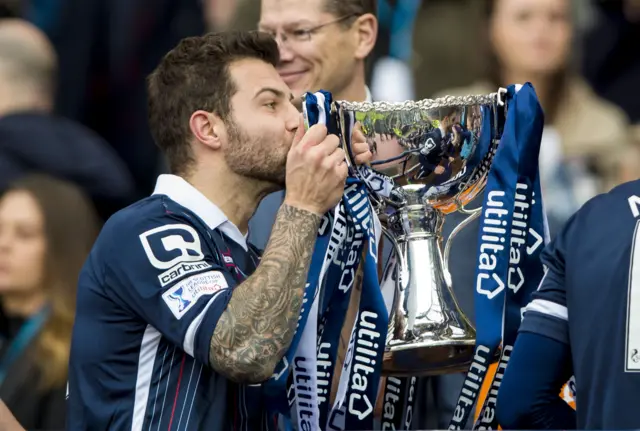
pixel 431 158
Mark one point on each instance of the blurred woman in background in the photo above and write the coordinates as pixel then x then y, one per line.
pixel 47 228
pixel 586 140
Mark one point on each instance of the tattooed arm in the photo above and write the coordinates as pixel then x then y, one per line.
pixel 257 327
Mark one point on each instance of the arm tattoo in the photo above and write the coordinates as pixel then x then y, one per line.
pixel 258 325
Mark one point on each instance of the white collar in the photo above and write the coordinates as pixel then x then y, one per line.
pixel 183 193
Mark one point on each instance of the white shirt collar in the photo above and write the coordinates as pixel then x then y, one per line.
pixel 183 193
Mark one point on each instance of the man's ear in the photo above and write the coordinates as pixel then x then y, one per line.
pixel 208 128
pixel 366 27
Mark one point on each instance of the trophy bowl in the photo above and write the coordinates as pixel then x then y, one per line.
pixel 430 158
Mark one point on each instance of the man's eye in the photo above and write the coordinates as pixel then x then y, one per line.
pixel 271 105
pixel 300 33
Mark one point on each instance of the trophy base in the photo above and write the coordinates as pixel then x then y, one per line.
pixel 429 358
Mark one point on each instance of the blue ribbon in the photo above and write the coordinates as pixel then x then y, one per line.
pixel 363 360
pixel 336 286
pixel 275 389
pixel 502 224
pixel 337 293
pixel 528 230
pixel 368 346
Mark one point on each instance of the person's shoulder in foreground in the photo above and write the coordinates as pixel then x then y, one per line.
pixel 590 277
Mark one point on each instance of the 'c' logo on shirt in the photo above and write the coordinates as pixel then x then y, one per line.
pixel 171 244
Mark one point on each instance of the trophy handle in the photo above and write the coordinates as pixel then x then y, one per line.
pixel 401 281
pixel 473 214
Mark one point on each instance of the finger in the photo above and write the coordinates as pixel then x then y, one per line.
pixel 364 158
pixel 299 132
pixel 362 153
pixel 314 136
pixel 336 158
pixel 359 147
pixel 329 144
pixel 358 136
pixel 342 171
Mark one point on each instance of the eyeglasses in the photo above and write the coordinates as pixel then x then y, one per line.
pixel 304 35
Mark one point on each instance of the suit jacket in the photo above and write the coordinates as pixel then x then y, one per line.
pixel 262 221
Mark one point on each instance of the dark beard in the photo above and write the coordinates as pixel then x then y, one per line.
pixel 250 157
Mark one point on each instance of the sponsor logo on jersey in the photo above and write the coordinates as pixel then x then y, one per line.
pixel 184 295
pixel 180 270
pixel 168 245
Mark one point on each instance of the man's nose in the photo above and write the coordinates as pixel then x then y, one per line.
pixel 293 118
pixel 286 53
pixel 5 242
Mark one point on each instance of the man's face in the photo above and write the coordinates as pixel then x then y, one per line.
pixel 323 59
pixel 261 124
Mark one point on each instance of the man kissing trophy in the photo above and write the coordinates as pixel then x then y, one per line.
pixel 431 158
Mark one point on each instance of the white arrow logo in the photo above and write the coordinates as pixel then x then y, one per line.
pixel 634 203
pixel 535 245
pixel 361 414
pixel 486 292
pixel 285 367
pixel 515 287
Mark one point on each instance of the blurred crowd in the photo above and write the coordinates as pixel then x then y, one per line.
pixel 75 146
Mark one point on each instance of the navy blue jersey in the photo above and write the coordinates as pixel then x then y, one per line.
pixel 149 296
pixel 589 299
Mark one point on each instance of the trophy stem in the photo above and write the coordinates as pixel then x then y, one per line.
pixel 428 332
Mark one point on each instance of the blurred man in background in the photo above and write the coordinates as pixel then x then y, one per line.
pixel 32 139
pixel 323 45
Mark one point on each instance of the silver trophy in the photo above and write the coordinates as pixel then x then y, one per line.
pixel 431 158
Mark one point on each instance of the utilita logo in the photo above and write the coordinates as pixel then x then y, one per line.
pixel 471 387
pixel 519 229
pixel 324 366
pixel 364 360
pixel 492 242
pixel 391 403
pixel 303 394
pixel 488 414
pixel 408 419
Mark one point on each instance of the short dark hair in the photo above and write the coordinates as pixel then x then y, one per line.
pixel 355 8
pixel 195 75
